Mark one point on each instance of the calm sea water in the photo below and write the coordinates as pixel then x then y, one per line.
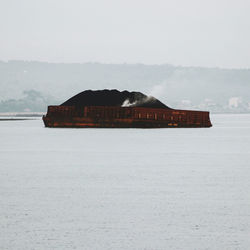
pixel 151 189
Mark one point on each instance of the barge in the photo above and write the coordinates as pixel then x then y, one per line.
pixel 137 111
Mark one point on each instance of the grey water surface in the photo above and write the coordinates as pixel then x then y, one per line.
pixel 150 189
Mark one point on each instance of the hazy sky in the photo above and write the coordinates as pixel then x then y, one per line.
pixel 214 33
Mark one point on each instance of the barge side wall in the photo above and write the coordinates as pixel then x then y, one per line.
pixel 106 116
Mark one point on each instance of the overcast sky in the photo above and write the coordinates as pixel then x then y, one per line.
pixel 213 33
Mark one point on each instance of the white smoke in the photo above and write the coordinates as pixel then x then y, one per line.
pixel 127 103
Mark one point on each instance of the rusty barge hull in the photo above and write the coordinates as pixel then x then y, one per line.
pixel 123 117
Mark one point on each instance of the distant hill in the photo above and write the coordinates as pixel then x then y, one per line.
pixel 190 87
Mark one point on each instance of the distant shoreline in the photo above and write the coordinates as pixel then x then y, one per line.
pixel 15 119
pixel 22 114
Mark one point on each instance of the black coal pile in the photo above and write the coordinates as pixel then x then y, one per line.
pixel 113 98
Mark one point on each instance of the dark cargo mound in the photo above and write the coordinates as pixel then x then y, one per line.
pixel 113 98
